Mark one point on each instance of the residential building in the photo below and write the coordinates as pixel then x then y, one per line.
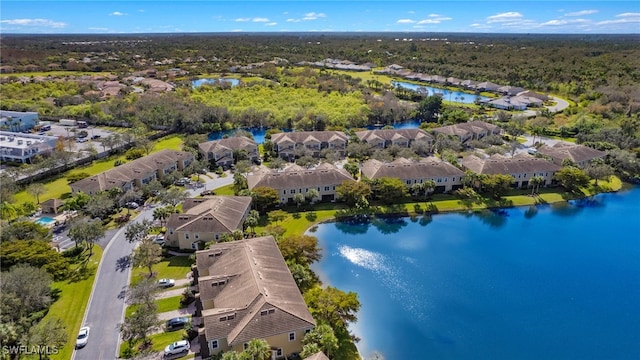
pixel 579 154
pixel 487 86
pixel 286 143
pixel 446 176
pixel 135 173
pixel 246 291
pixel 471 130
pixel 17 121
pixel 534 94
pixel 510 90
pixel 317 356
pixel 205 219
pixel 325 178
pixel 507 103
pixel 19 147
pixel 220 152
pixel 522 167
pixel 383 138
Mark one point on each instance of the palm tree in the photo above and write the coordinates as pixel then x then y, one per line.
pixel 312 195
pixel 258 349
pixel 7 211
pixel 428 187
pixel 162 213
pixel 535 183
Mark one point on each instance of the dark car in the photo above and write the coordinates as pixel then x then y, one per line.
pixel 177 323
pixel 95 137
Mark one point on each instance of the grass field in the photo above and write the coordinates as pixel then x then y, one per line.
pixel 174 267
pixel 164 305
pixel 160 341
pixel 73 300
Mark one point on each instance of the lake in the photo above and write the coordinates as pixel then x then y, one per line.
pixel 455 96
pixel 557 281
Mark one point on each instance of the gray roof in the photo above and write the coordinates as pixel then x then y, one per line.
pixel 120 175
pixel 394 134
pixel 299 137
pixel 498 164
pixel 574 152
pixel 251 278
pixel 403 168
pixel 473 127
pixel 296 177
pixel 215 214
pixel 317 356
pixel 231 143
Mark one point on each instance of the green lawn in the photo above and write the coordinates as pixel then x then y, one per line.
pixel 225 190
pixel 164 305
pixel 73 300
pixel 160 341
pixel 173 267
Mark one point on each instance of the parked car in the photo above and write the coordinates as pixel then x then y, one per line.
pixel 81 140
pixel 208 192
pixel 177 347
pixel 132 205
pixel 83 337
pixel 95 137
pixel 166 283
pixel 177 323
pixel 159 240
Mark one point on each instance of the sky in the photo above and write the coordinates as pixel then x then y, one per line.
pixel 165 16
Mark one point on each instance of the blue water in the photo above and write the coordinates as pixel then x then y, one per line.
pixel 455 96
pixel 549 282
pixel 200 82
pixel 45 220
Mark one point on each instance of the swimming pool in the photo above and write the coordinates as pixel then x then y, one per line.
pixel 46 221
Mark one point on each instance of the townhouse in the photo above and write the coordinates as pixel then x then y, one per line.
pixel 471 130
pixel 446 176
pixel 579 154
pixel 220 152
pixel 298 180
pixel 286 143
pixel 135 173
pixel 383 138
pixel 205 219
pixel 19 147
pixel 246 291
pixel 522 167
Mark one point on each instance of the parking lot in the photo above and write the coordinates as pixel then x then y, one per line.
pixel 94 134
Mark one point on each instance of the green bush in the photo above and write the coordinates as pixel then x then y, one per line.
pixel 118 162
pixel 134 153
pixel 77 177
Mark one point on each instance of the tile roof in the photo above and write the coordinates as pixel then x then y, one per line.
pixel 473 127
pixel 231 143
pixel 215 214
pixel 299 137
pixel 403 168
pixel 294 177
pixel 317 356
pixel 251 278
pixel 574 152
pixel 498 164
pixel 131 171
pixel 393 134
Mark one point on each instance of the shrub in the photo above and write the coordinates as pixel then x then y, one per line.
pixel 118 162
pixel 77 177
pixel 134 153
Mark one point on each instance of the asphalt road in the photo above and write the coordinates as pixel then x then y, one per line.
pixel 105 311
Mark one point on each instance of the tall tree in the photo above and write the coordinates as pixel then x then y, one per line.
pixel 139 325
pixel 265 197
pixel 429 108
pixel 572 178
pixel 147 254
pixel 332 306
pixel 137 231
pixel 49 333
pixel 535 182
pixel 353 192
pixel 258 349
pixel 252 220
pixel 36 189
pixel 324 337
pixel 174 196
pixel 162 213
pixel 83 230
pixel 389 190
pixel 301 249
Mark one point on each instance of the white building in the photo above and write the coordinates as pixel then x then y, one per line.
pixel 20 147
pixel 16 121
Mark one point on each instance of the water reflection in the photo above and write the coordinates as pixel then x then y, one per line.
pixel 531 212
pixel 388 225
pixel 352 227
pixel 494 218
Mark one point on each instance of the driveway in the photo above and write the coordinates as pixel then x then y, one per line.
pixel 105 311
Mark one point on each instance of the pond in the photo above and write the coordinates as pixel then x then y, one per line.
pixel 213 81
pixel 546 282
pixel 454 96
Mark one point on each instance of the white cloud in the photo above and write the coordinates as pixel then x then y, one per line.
pixel 98 28
pixel 405 21
pixel 237 30
pixel 628 15
pixel 562 22
pixel 271 24
pixel 504 17
pixel 628 20
pixel 293 20
pixel 118 13
pixel 313 16
pixel 435 19
pixel 582 13
pixel 243 19
pixel 259 19
pixel 34 22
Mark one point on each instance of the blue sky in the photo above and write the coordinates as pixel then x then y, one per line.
pixel 95 16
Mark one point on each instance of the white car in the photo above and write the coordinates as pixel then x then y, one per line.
pixel 165 283
pixel 159 240
pixel 177 347
pixel 83 337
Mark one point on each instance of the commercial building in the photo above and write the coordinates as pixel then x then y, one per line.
pixel 19 147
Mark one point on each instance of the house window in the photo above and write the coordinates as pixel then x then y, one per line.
pixel 293 191
pixel 318 188
pixel 307 331
pixel 217 236
pixel 171 231
pixel 246 345
pixel 446 179
pixel 326 188
pixel 439 180
pixel 196 236
pixel 279 352
pixel 284 192
pixel 292 336
pixel 334 187
pixel 194 245
pixel 186 236
pixel 408 182
pixel 214 344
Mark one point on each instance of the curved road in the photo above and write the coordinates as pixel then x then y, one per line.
pixel 105 310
